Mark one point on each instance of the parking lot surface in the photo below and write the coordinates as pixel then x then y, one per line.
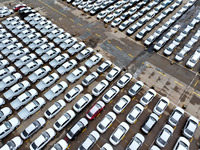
pixel 169 78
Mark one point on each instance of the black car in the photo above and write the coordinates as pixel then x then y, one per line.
pixel 76 129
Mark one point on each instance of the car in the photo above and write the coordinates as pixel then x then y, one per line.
pixel 16 89
pixel 150 40
pixel 113 73
pixel 160 44
pixel 31 66
pixel 10 80
pixel 95 110
pixel 108 18
pixel 134 114
pixel 68 43
pixel 77 2
pixel 2 102
pixel 67 66
pixel 10 19
pixel 110 9
pixel 82 5
pixel 25 33
pixel 20 28
pixel 190 127
pixel 37 43
pixel 77 128
pixel 88 8
pixel 84 54
pixel 106 146
pixel 3 31
pixel 164 136
pixel 5 36
pixel 53 34
pixel 7 42
pixel 136 142
pixel 104 66
pixel 12 25
pixel 76 48
pixel 169 50
pixel 95 10
pixel 39 74
pixel 3 63
pixel 31 37
pixel 13 144
pixel 116 22
pixel 132 29
pixel 121 104
pixel 37 20
pixel 17 54
pixel 102 14
pixel 6 71
pixel 161 106
pixel 92 61
pixel 33 128
pixel 175 116
pixel 106 122
pixel 76 74
pixel 159 31
pixel 31 16
pixel 50 54
pixel 60 59
pixel 25 60
pixel 5 112
pixel 180 55
pixel 48 28
pixel 64 120
pixel 89 79
pixel 54 109
pixel 135 88
pixel 42 24
pixel 182 143
pixel 56 90
pixel 31 108
pixel 141 34
pixel 82 103
pixel 149 123
pixel 89 142
pixel 44 48
pixel 148 97
pixel 125 16
pixel 62 37
pixel 193 60
pixel 8 126
pixel 119 133
pixel 110 94
pixel 100 87
pixel 11 48
pixel 23 99
pixel 73 93
pixel 60 145
pixel 43 139
pixel 124 80
pixel 154 147
pixel 47 81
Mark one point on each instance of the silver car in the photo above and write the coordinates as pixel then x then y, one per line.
pixel 93 60
pixel 25 33
pixel 11 48
pixel 76 48
pixel 68 43
pixel 31 66
pixel 7 42
pixel 60 59
pixel 50 54
pixel 25 59
pixel 18 54
pixel 47 81
pixel 44 48
pixel 62 37
pixel 20 28
pixel 6 71
pixel 67 66
pixel 48 28
pixel 37 43
pixel 39 73
pixel 30 38
pixel 55 33
pixel 84 54
pixel 76 74
pixel 104 66
pixel 90 78
pixel 3 63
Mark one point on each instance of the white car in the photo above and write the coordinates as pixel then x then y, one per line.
pixel 8 126
pixel 104 66
pixel 62 37
pixel 2 102
pixel 60 59
pixel 3 63
pixel 102 14
pixel 180 55
pixel 53 34
pixel 110 94
pixel 190 127
pixel 54 109
pixel 24 60
pixel 124 80
pixel 134 114
pixel 82 102
pixel 76 74
pixel 37 43
pixel 64 120
pixel 48 28
pixel 60 145
pixel 164 136
pixel 89 142
pixel 44 48
pixel 25 33
pixel 106 122
pixel 31 66
pixel 56 90
pixel 4 13
pixel 193 60
pixel 31 37
pixel 50 54
pixel 169 50
pixel 175 116
pixel 6 71
pixel 113 73
pixel 73 93
pixel 67 66
pixel 106 146
pixel 7 42
pixel 182 144
pixel 136 142
pixel 135 88
pixel 43 139
pixel 16 55
pixel 68 43
pixel 13 144
pixel 109 18
pixel 100 87
pixel 119 133
pixel 76 48
pixel 121 104
pixel 116 22
pixel 92 61
pixel 84 54
pixel 89 79
pixel 4 113
pixel 148 97
pixel 161 106
pixel 11 48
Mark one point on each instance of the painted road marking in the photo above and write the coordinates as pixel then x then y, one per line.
pixel 196 94
pixel 19 127
pixel 130 55
pixel 52 8
pixel 71 19
pixel 161 73
pixel 191 140
pixel 178 83
pixel 196 83
pixel 37 112
pixel 98 35
pixel 118 48
pixel 88 29
pixel 27 140
pixel 80 24
pixel 108 41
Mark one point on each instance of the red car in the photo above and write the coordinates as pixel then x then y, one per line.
pixel 95 110
pixel 18 6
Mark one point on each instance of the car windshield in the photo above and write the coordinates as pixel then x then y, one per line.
pixel 58 146
pixel 8 124
pixel 182 146
pixel 25 133
pixel 11 145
